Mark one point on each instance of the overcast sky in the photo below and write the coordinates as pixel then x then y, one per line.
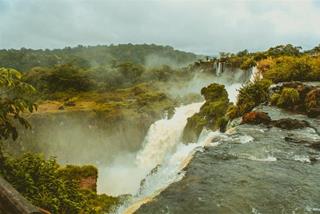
pixel 201 26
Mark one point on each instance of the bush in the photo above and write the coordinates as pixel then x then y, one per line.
pixel 44 185
pixel 289 68
pixel 312 103
pixel 251 95
pixel 288 98
pixel 247 64
pixel 232 112
pixel 274 98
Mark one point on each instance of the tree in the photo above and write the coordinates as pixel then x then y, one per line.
pixel 287 50
pixel 243 53
pixel 14 100
pixel 67 76
pixel 130 71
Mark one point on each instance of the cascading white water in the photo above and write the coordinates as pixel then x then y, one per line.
pixel 162 148
pixel 163 137
pixel 255 74
pixel 219 69
pixel 215 66
pixel 170 171
pixel 160 143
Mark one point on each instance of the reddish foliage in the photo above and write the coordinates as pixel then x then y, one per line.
pixel 256 117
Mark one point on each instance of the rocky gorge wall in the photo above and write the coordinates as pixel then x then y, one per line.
pixel 82 137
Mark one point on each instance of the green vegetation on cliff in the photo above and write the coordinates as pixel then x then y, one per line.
pixel 250 96
pixel 211 114
pixel 54 188
pixel 283 63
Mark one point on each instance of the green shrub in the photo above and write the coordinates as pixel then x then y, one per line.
pixel 247 64
pixel 293 68
pixel 232 112
pixel 274 98
pixel 288 98
pixel 43 184
pixel 77 172
pixel 251 95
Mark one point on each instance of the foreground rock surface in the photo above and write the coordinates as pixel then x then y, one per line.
pixel 253 169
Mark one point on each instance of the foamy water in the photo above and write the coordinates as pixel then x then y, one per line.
pixel 170 171
pixel 160 145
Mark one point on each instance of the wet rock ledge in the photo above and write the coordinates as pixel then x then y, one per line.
pixel 268 162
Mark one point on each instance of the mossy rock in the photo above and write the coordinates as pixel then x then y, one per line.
pixel 193 128
pixel 214 92
pixel 211 115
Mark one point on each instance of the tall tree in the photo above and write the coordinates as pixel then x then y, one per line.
pixel 14 100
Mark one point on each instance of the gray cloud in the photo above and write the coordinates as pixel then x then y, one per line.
pixel 202 26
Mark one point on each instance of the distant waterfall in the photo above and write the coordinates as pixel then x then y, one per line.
pixel 255 74
pixel 219 69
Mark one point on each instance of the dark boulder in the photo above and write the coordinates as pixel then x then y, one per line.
pixel 309 143
pixel 289 123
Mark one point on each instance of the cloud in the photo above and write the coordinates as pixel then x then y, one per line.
pixel 202 26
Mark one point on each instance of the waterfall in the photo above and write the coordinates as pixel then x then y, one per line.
pixel 215 66
pixel 165 154
pixel 161 142
pixel 163 137
pixel 170 171
pixel 220 69
pixel 255 74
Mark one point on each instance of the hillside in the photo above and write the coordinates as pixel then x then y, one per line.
pixel 92 56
